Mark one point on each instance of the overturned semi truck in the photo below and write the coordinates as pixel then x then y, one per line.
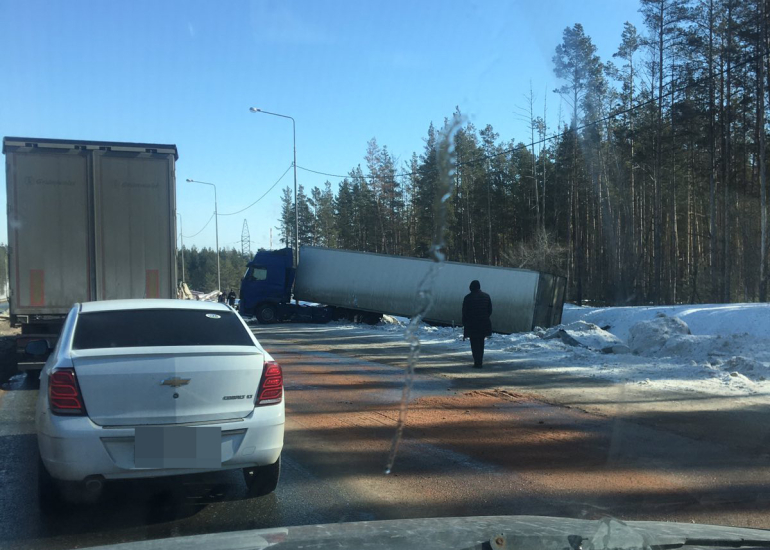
pixel 364 286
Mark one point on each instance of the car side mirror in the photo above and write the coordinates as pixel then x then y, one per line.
pixel 37 348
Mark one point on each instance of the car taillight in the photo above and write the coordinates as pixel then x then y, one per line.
pixel 64 393
pixel 270 389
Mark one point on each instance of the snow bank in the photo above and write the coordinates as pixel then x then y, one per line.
pixel 581 333
pixel 721 349
pixel 649 337
pixel 709 319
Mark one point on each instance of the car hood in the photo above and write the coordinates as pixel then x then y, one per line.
pixel 496 532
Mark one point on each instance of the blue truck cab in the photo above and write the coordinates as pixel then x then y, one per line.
pixel 266 290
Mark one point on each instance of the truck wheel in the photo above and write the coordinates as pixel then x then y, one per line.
pixel 262 480
pixel 371 318
pixel 338 313
pixel 266 314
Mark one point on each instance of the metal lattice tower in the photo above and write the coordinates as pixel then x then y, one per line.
pixel 245 240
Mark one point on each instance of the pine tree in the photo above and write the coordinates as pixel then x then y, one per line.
pixel 345 217
pixel 656 187
pixel 286 227
pixel 306 220
pixel 425 194
pixel 577 64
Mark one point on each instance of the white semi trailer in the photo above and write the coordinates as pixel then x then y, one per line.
pixel 366 285
pixel 87 220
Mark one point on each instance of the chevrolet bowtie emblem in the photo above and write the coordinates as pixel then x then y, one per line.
pixel 175 382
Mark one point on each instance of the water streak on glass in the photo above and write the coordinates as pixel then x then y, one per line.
pixel 445 177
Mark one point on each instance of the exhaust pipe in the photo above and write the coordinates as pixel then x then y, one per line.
pixel 94 485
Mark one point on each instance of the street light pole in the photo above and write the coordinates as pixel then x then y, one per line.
pixel 296 206
pixel 181 238
pixel 216 226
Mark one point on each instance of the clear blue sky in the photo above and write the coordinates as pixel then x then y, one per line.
pixel 186 72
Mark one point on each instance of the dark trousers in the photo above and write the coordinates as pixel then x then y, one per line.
pixel 477 349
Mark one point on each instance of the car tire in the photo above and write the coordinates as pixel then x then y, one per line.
pixel 267 314
pixel 262 480
pixel 47 490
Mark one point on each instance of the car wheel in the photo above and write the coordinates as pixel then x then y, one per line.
pixel 266 314
pixel 262 480
pixel 47 490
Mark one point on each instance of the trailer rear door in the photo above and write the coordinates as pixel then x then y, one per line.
pixel 134 225
pixel 48 220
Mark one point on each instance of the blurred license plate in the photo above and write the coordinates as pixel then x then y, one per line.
pixel 178 447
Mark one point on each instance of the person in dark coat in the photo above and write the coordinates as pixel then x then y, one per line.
pixel 477 325
pixel 231 298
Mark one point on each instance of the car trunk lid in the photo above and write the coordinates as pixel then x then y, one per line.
pixel 146 386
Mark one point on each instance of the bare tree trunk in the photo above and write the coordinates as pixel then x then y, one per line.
pixel 726 254
pixel 635 245
pixel 610 239
pixel 471 235
pixel 543 149
pixel 762 154
pixel 489 217
pixel 712 160
pixel 576 204
pixel 531 100
pixel 744 221
pixel 658 206
pixel 674 223
pixel 697 252
pixel 690 226
pixel 570 237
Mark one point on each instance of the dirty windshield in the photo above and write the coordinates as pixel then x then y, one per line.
pixel 501 258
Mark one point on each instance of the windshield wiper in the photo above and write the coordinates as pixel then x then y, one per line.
pixel 502 541
pixel 721 543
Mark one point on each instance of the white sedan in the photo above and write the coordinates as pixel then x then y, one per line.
pixel 148 388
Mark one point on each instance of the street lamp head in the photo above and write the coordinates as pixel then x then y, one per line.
pixel 189 180
pixel 254 109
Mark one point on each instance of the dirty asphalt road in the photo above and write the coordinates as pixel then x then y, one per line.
pixel 469 449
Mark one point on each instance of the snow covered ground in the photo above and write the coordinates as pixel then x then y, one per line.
pixel 721 349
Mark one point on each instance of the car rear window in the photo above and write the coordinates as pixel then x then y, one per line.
pixel 159 327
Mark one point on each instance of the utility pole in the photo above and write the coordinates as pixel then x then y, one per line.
pixel 296 206
pixel 216 227
pixel 181 238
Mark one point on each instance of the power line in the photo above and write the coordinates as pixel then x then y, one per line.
pixel 401 175
pixel 321 173
pixel 576 129
pixel 239 211
pixel 263 195
pixel 202 228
